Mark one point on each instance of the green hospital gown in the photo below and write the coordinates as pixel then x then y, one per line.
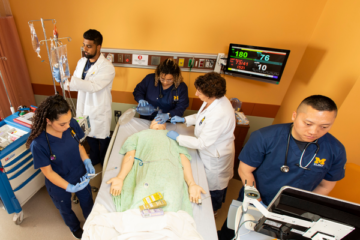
pixel 157 168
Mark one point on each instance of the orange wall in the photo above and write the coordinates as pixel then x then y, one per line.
pixel 346 128
pixel 330 67
pixel 187 26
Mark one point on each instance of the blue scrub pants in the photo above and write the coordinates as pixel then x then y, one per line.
pixel 217 198
pixel 98 148
pixel 62 201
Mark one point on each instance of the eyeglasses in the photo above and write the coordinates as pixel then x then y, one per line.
pixel 164 80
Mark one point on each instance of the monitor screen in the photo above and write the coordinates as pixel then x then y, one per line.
pixel 257 63
pixel 308 206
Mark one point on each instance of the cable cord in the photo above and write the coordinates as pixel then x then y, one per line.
pixel 240 225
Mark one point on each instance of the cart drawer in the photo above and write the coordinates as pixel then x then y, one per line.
pixel 22 175
pixel 13 155
pixel 20 160
pixel 28 189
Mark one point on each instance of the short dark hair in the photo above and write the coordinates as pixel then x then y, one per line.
pixel 94 35
pixel 169 66
pixel 211 85
pixel 320 103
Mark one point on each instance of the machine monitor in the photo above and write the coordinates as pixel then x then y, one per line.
pixel 309 206
pixel 257 63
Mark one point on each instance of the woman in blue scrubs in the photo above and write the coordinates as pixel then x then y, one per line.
pixel 164 89
pixel 54 143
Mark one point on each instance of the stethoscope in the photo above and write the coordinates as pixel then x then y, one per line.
pixel 73 134
pixel 285 168
pixel 176 96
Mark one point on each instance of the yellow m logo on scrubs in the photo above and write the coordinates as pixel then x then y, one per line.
pixel 319 162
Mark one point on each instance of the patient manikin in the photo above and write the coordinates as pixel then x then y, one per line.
pixel 154 163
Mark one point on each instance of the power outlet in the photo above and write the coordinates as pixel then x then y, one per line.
pixel 117 114
pixel 219 62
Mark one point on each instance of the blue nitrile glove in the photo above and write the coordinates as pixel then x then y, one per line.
pixel 263 204
pixel 176 119
pixel 161 118
pixel 143 103
pixel 172 134
pixel 79 186
pixel 56 74
pixel 89 167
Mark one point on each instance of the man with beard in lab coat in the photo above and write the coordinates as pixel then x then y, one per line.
pixel 92 79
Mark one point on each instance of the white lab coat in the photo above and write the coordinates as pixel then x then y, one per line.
pixel 94 94
pixel 214 139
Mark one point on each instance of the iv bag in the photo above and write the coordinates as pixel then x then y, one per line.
pixel 59 60
pixel 34 40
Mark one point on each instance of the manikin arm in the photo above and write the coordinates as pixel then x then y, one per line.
pixel 118 181
pixel 194 190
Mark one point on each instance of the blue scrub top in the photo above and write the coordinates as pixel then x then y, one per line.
pixel 266 150
pixel 68 163
pixel 146 90
pixel 88 65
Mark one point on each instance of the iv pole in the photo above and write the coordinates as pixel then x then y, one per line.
pixel 47 48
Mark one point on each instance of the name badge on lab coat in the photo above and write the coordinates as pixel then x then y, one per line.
pixel 201 121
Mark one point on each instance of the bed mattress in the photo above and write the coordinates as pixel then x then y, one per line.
pixel 203 214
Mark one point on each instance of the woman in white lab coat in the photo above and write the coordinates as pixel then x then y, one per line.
pixel 214 134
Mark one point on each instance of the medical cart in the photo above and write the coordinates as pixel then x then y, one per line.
pixel 19 181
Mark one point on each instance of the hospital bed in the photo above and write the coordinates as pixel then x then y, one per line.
pixel 203 214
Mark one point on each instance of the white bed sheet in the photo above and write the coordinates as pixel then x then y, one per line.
pixel 203 214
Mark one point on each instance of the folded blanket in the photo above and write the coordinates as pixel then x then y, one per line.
pixel 130 225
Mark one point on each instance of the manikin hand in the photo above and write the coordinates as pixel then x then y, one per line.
pixel 195 192
pixel 116 186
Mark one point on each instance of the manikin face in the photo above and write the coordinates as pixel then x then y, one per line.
pixel 62 123
pixel 311 124
pixel 155 126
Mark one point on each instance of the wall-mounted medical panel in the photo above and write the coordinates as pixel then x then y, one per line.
pixel 194 62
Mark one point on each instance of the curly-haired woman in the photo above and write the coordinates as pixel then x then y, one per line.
pixel 164 89
pixel 214 134
pixel 54 143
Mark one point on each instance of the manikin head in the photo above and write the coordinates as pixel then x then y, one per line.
pixel 313 118
pixel 155 126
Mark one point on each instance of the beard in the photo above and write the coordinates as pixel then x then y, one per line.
pixel 88 56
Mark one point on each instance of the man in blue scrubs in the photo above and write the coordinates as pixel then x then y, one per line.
pixel 164 89
pixel 262 159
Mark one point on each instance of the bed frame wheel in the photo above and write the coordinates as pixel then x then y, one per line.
pixel 18 218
